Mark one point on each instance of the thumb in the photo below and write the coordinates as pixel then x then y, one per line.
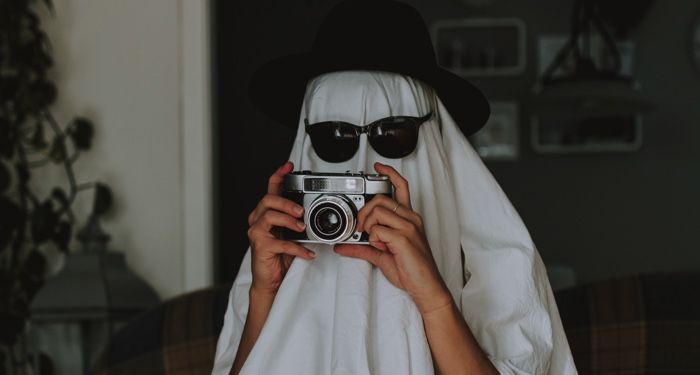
pixel 364 252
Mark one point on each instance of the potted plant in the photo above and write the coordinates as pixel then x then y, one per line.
pixel 30 138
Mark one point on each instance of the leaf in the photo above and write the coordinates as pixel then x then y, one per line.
pixel 22 174
pixel 60 195
pixel 7 139
pixel 38 139
pixel 5 178
pixel 9 86
pixel 49 4
pixel 103 199
pixel 58 153
pixel 32 276
pixel 45 364
pixel 45 92
pixel 81 132
pixel 6 283
pixel 43 222
pixel 62 235
pixel 35 265
pixel 10 326
pixel 10 218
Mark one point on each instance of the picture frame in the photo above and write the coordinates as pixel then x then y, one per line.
pixel 561 132
pixel 499 139
pixel 577 134
pixel 481 46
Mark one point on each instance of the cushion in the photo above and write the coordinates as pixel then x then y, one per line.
pixel 642 324
pixel 177 337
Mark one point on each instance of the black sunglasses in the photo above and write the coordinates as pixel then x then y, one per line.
pixel 392 137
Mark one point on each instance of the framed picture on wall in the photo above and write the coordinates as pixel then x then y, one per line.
pixel 499 138
pixel 481 46
pixel 570 133
pixel 571 130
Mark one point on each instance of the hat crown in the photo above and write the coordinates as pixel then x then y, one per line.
pixel 382 30
pixel 372 35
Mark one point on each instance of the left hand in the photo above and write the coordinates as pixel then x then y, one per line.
pixel 399 247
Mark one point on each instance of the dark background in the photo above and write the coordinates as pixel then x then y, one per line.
pixel 602 214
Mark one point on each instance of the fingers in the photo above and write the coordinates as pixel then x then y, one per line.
pixel 272 218
pixel 293 248
pixel 378 244
pixel 360 252
pixel 387 203
pixel 393 239
pixel 384 217
pixel 274 184
pixel 277 203
pixel 402 194
pixel 273 246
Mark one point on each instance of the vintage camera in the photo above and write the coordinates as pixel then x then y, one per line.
pixel 331 202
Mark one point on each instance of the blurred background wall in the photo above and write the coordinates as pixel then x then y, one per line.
pixel 119 63
pixel 609 214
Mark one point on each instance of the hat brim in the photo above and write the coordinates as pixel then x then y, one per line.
pixel 277 88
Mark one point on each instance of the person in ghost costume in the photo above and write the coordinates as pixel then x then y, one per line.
pixel 452 282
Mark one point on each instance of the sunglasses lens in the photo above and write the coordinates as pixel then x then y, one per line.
pixel 333 142
pixel 394 139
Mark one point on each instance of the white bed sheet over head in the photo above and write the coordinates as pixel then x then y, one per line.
pixel 337 315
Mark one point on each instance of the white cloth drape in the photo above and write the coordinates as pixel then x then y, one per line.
pixel 336 315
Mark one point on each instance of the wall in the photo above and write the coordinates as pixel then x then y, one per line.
pixel 610 214
pixel 119 63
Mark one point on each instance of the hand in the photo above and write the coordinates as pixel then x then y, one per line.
pixel 399 247
pixel 271 257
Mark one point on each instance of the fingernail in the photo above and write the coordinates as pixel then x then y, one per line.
pixel 299 210
pixel 301 224
pixel 312 254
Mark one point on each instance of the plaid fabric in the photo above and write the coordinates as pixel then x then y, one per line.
pixel 644 324
pixel 177 338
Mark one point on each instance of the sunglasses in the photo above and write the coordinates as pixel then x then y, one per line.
pixel 391 137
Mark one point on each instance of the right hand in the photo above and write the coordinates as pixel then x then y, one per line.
pixel 271 257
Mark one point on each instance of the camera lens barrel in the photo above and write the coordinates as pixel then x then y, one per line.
pixel 331 218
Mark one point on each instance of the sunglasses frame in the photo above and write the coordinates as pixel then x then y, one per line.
pixel 367 129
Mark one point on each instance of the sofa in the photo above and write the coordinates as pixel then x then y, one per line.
pixel 178 337
pixel 639 324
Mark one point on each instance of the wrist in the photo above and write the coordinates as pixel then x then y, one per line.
pixel 438 301
pixel 256 294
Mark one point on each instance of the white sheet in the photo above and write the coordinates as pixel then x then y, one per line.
pixel 337 315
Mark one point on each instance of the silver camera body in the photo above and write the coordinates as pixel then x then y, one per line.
pixel 331 202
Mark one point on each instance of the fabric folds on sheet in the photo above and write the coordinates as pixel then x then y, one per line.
pixel 337 315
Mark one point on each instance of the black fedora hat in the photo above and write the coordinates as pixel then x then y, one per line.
pixel 379 35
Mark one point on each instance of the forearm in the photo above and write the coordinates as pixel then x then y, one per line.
pixel 258 309
pixel 453 346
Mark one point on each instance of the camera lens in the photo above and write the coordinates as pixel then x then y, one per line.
pixel 331 218
pixel 328 221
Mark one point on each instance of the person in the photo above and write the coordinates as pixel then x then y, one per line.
pixel 451 281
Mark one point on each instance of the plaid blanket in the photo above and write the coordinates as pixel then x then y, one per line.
pixel 178 337
pixel 648 324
